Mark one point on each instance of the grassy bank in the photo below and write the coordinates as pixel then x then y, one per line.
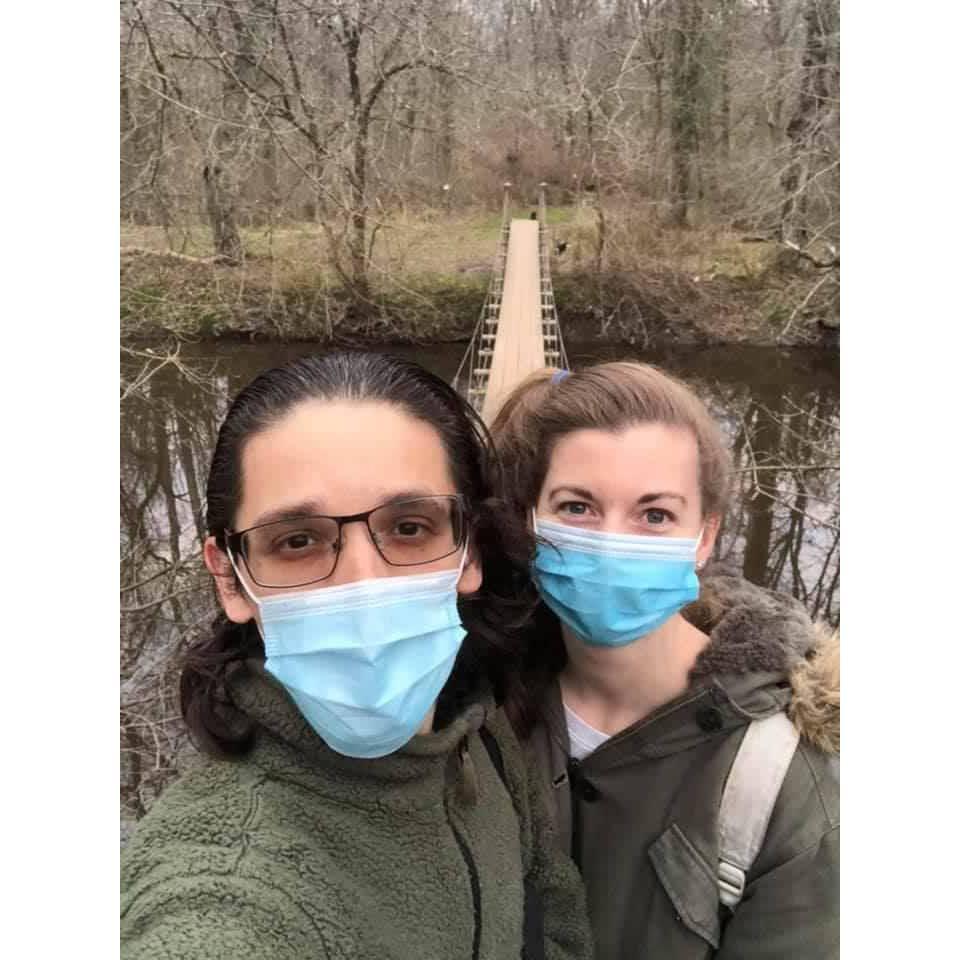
pixel 622 279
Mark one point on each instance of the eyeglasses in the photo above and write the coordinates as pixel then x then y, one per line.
pixel 304 550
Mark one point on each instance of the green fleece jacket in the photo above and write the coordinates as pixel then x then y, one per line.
pixel 639 814
pixel 298 852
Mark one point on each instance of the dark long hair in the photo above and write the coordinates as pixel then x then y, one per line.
pixel 503 545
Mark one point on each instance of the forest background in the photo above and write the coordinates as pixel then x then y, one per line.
pixel 334 169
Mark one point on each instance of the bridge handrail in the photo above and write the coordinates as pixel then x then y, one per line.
pixel 545 276
pixel 468 362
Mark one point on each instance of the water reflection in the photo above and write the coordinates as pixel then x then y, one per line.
pixel 780 410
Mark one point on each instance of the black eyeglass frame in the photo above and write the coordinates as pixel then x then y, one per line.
pixel 235 544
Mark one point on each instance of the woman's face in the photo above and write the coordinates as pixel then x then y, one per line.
pixel 337 459
pixel 642 480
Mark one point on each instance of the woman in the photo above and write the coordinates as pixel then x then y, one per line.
pixel 362 797
pixel 639 696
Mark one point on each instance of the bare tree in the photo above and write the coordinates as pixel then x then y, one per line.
pixel 685 75
pixel 805 129
pixel 164 591
pixel 713 113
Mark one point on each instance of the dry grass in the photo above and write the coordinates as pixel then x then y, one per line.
pixel 430 270
pixel 426 244
pixel 429 243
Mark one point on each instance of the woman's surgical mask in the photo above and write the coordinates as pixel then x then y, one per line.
pixel 365 662
pixel 613 588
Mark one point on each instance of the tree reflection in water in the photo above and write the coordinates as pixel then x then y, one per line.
pixel 780 410
pixel 169 411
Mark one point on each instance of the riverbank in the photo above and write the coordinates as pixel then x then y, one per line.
pixel 429 277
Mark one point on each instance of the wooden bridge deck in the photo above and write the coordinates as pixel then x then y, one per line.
pixel 518 349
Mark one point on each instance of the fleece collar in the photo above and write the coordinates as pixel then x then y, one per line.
pixel 412 777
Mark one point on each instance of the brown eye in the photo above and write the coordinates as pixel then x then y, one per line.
pixel 409 528
pixel 301 540
pixel 297 541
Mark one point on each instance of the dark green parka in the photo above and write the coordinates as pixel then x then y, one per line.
pixel 639 815
pixel 296 852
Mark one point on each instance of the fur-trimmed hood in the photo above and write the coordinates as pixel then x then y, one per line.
pixel 757 631
pixel 815 683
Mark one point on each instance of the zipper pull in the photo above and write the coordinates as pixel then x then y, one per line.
pixel 467 788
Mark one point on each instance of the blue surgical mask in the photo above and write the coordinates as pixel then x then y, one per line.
pixel 613 588
pixel 365 662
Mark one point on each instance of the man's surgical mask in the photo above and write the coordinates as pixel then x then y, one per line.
pixel 365 662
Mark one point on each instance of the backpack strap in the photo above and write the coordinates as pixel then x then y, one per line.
pixel 534 945
pixel 752 788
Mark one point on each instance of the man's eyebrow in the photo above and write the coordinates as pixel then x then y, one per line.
pixel 306 508
pixel 313 508
pixel 402 495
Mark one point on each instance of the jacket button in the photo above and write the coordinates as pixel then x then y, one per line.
pixel 709 719
pixel 589 792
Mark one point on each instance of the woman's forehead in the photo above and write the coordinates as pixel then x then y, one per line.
pixel 637 456
pixel 349 456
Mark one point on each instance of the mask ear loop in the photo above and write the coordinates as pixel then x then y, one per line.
pixel 463 557
pixel 241 577
pixel 247 590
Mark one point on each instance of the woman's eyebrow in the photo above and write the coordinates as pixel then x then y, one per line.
pixel 576 491
pixel 650 497
pixel 646 498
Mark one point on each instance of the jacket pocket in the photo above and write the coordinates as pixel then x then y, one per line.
pixel 689 883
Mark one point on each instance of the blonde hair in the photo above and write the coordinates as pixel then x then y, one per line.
pixel 549 404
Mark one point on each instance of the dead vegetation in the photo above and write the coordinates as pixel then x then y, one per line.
pixel 334 170
pixel 643 284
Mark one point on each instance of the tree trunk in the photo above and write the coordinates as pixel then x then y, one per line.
pixel 271 177
pixel 219 172
pixel 165 473
pixel 657 112
pixel 803 128
pixel 727 13
pixel 764 442
pixel 559 17
pixel 684 108
pixel 774 33
pixel 358 215
pixel 358 174
pixel 765 425
pixel 314 208
pixel 222 213
pixel 131 153
pixel 410 119
pixel 188 466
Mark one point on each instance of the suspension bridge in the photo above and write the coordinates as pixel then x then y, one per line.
pixel 518 331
